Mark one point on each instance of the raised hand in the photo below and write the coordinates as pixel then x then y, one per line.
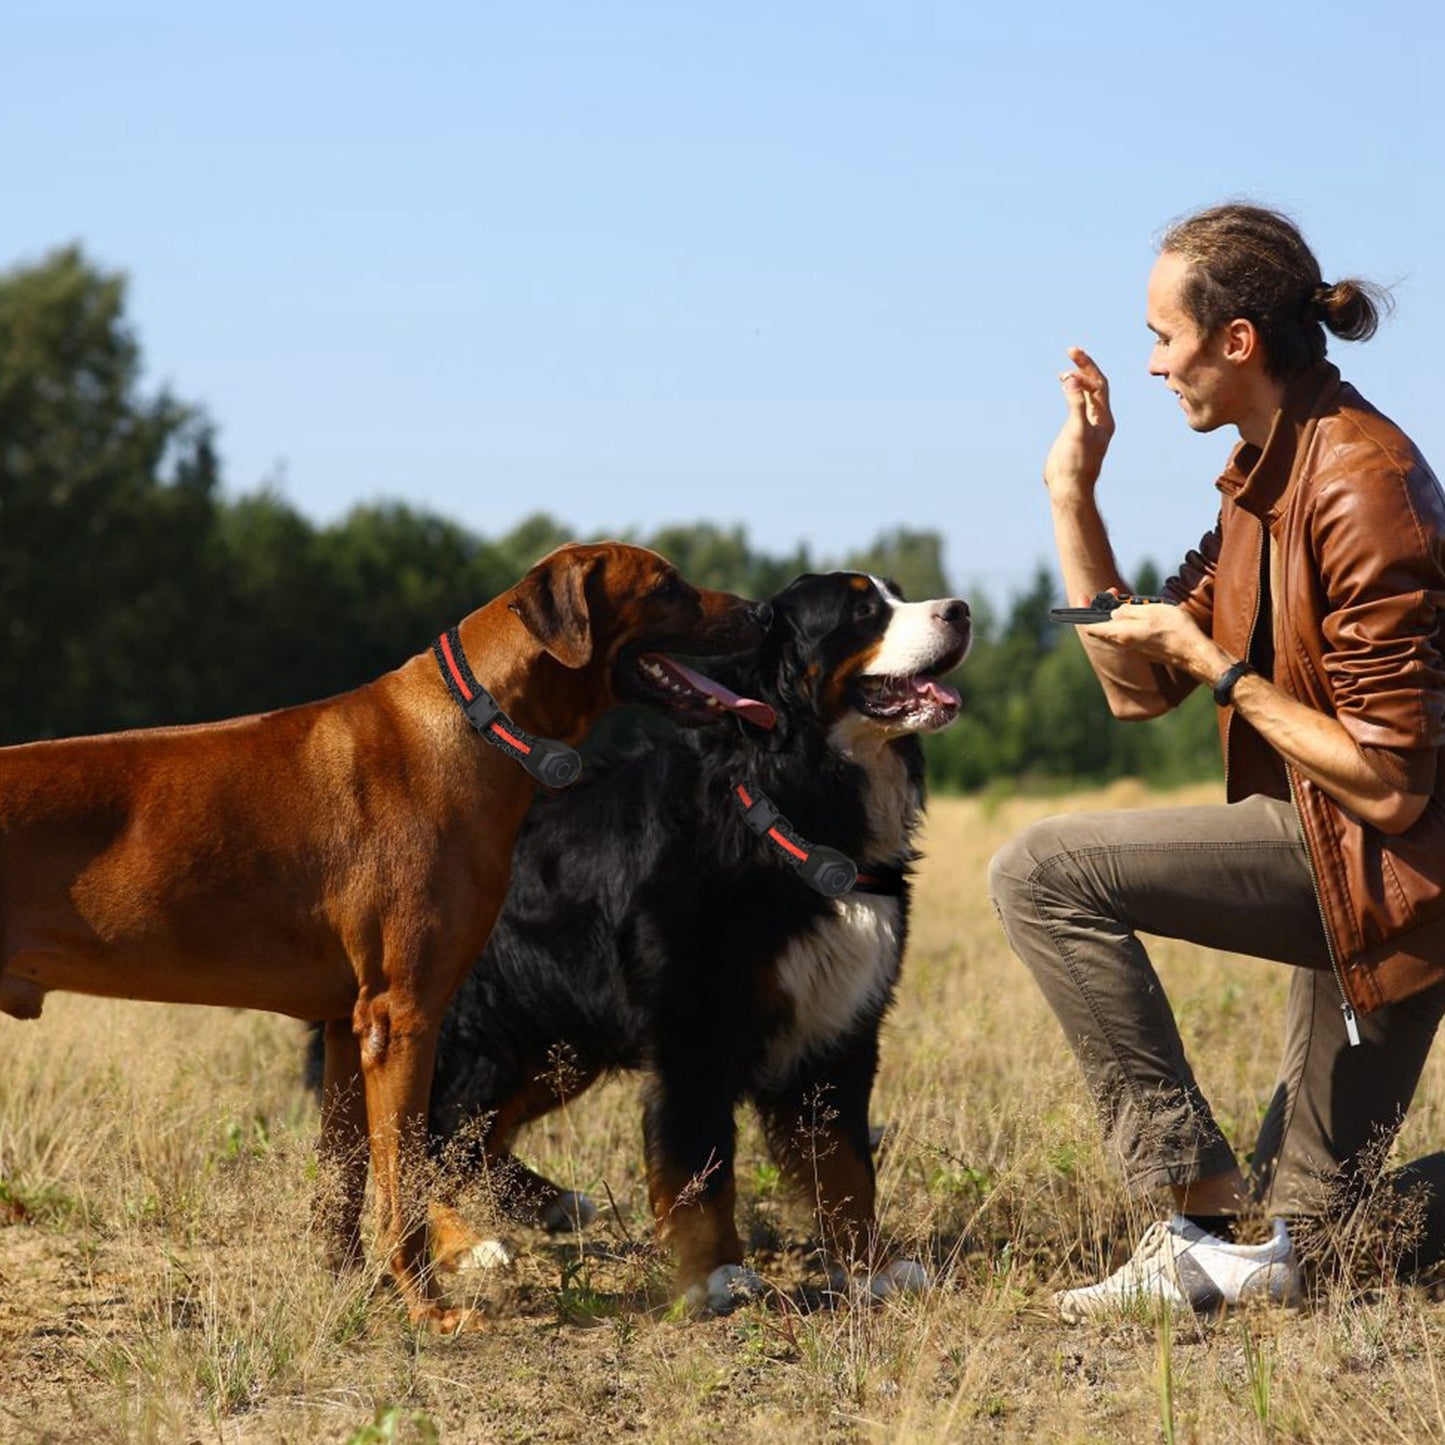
pixel 1077 455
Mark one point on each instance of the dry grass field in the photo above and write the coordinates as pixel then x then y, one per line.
pixel 159 1281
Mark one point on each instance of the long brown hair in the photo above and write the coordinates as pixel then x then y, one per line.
pixel 1248 261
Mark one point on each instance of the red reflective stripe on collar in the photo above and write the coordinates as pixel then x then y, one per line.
pixel 773 833
pixel 452 666
pixel 517 743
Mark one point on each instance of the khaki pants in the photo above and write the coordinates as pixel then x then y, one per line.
pixel 1074 892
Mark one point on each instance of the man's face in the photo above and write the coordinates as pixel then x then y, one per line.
pixel 1192 366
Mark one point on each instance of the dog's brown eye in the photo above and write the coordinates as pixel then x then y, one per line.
pixel 865 609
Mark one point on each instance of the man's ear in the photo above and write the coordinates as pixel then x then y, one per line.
pixel 1241 341
pixel 551 600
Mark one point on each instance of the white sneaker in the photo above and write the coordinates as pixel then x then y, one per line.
pixel 1180 1265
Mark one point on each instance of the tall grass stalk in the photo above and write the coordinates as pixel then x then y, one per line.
pixel 1258 1371
pixel 1164 1369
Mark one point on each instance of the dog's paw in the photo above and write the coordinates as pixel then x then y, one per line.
pixel 898 1277
pixel 441 1319
pixel 727 1287
pixel 485 1254
pixel 902 1276
pixel 567 1213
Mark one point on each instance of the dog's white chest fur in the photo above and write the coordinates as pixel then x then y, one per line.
pixel 843 968
pixel 833 974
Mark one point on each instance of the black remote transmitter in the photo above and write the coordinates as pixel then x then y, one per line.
pixel 1101 609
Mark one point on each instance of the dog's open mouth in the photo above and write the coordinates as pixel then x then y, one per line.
pixel 919 704
pixel 657 678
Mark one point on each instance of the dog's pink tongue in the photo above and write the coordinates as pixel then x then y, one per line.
pixel 756 712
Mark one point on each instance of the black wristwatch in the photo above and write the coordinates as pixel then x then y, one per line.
pixel 1229 679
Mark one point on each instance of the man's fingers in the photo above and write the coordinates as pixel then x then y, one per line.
pixel 1089 368
pixel 1074 393
pixel 1087 398
pixel 1088 384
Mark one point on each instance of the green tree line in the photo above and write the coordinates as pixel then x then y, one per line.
pixel 134 591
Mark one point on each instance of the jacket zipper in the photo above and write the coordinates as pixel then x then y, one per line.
pixel 1263 582
pixel 1352 1025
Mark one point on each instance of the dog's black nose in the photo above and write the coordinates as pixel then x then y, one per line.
pixel 955 610
pixel 763 614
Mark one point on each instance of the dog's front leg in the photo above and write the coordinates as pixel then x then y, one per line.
pixel 690 1139
pixel 398 1041
pixel 818 1133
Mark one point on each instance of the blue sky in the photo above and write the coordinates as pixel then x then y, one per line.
pixel 806 268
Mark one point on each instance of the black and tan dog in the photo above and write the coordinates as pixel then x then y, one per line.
pixel 343 860
pixel 650 927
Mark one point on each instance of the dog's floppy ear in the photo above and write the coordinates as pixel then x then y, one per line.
pixel 773 672
pixel 781 655
pixel 551 600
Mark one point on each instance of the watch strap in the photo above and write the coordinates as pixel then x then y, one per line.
pixel 1229 680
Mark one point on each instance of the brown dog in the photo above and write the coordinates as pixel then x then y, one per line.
pixel 344 860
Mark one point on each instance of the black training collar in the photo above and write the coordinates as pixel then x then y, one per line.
pixel 549 761
pixel 832 873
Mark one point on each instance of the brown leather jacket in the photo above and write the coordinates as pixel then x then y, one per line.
pixel 1356 522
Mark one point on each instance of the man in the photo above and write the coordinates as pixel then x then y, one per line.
pixel 1312 611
